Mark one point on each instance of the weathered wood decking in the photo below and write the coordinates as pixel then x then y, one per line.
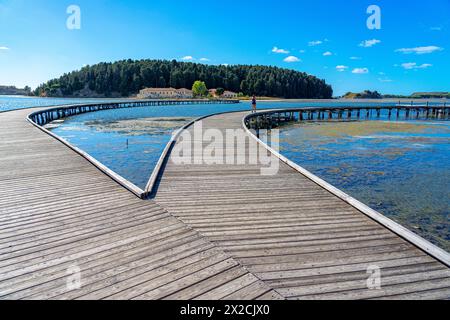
pixel 212 232
pixel 294 235
pixel 59 213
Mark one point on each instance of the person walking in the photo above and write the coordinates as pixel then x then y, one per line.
pixel 254 104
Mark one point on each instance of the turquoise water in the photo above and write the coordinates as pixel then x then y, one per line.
pixel 21 102
pixel 400 169
pixel 8 103
pixel 130 141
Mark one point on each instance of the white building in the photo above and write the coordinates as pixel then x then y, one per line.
pixel 229 95
pixel 226 94
pixel 165 93
pixel 184 93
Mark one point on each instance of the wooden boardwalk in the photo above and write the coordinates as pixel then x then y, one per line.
pixel 294 235
pixel 59 214
pixel 212 232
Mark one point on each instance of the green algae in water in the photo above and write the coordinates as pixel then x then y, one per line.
pixel 130 147
pixel 401 169
pixel 136 127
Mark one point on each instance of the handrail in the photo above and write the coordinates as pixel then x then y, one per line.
pixel 49 114
pixel 152 182
pixel 76 109
pixel 266 120
pixel 398 229
pixel 421 243
pixel 343 107
pixel 150 188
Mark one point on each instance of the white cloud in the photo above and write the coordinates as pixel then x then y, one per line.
pixel 328 53
pixel 302 51
pixel 360 70
pixel 204 59
pixel 369 43
pixel 341 68
pixel 314 43
pixel 187 58
pixel 291 59
pixel 436 28
pixel 225 64
pixel 278 50
pixel 355 58
pixel 420 50
pixel 385 80
pixel 4 48
pixel 413 65
pixel 381 73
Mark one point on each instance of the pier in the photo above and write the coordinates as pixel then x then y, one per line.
pixel 47 115
pixel 273 118
pixel 302 237
pixel 60 217
pixel 209 231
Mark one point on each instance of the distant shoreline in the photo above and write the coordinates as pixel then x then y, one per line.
pixel 260 100
pixel 403 100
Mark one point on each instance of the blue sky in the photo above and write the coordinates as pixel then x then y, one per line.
pixel 329 39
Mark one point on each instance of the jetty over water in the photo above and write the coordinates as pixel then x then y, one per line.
pixel 68 231
pixel 269 119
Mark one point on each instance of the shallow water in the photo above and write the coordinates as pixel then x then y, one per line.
pixel 398 168
pixel 8 103
pixel 131 148
pixel 130 141
pixel 401 169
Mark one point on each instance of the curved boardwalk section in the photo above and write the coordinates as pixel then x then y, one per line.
pixel 295 236
pixel 67 231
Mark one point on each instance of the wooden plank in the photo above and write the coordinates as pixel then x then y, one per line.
pixel 58 211
pixel 212 231
pixel 208 285
pixel 287 229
